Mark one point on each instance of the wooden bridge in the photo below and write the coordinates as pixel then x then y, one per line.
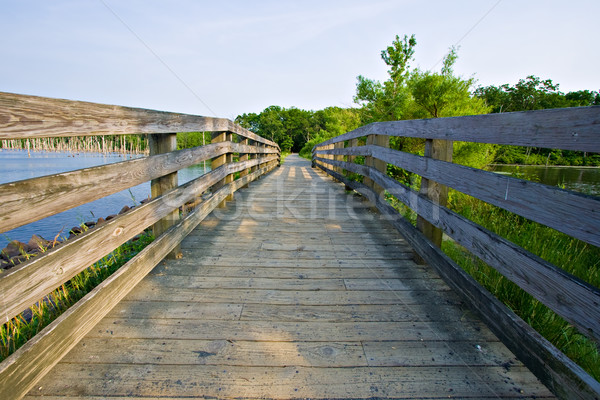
pixel 295 287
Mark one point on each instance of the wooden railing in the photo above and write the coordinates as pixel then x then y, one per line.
pixel 26 201
pixel 575 214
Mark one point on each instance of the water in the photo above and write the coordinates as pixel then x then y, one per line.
pixel 15 166
pixel 578 179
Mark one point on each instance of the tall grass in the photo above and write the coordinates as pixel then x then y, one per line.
pixel 23 327
pixel 572 255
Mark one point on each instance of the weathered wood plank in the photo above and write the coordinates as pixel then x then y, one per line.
pixel 405 354
pixel 395 284
pixel 327 272
pixel 217 352
pixel 149 291
pixel 552 367
pixel 27 283
pixel 299 254
pixel 158 144
pixel 203 282
pixel 282 331
pixel 351 312
pixel 565 128
pixel 435 191
pixel 568 296
pixel 21 371
pixel 176 352
pixel 23 116
pixel 177 310
pixel 575 214
pixel 289 382
pixel 293 245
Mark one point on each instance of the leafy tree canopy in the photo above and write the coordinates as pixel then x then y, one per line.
pixel 409 94
pixel 292 128
pixel 533 93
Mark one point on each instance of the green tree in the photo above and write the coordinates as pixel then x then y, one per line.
pixel 582 98
pixel 533 93
pixel 287 144
pixel 284 126
pixel 332 121
pixel 388 101
pixel 444 94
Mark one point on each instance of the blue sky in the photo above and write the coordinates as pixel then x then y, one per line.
pixel 225 57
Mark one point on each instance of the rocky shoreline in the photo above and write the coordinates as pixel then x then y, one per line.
pixel 17 252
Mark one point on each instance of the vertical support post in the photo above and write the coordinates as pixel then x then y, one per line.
pixel 336 157
pixel 244 157
pixel 252 156
pixel 351 143
pixel 158 144
pixel 369 161
pixel 438 194
pixel 260 155
pixel 381 166
pixel 229 160
pixel 216 162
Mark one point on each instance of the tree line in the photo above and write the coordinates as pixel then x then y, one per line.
pixel 413 93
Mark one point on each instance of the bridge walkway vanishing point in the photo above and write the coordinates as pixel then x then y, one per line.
pixel 294 290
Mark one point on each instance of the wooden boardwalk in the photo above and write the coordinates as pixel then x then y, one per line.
pixel 295 290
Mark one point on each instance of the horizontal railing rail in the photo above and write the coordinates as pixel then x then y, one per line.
pixel 574 214
pixel 233 151
pixel 52 194
pixel 23 117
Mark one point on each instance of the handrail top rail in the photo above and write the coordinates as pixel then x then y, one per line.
pixel 576 128
pixel 26 116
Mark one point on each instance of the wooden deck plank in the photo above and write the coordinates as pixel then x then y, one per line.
pixel 276 298
pixel 287 382
pixel 291 331
pixel 153 291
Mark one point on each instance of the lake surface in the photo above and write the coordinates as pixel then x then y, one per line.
pixel 578 179
pixel 15 166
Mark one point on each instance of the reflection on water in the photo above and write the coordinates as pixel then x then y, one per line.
pixel 15 166
pixel 579 179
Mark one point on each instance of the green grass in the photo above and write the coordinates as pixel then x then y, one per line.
pixel 20 329
pixel 572 255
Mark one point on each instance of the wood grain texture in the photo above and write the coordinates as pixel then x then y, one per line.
pixel 33 199
pixel 25 284
pixel 20 372
pixel 159 144
pixel 552 367
pixel 564 128
pixel 289 382
pixel 568 296
pixel 573 213
pixel 23 116
pixel 435 191
pixel 301 332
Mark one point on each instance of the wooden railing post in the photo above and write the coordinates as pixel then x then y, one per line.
pixel 221 160
pixel 438 194
pixel 381 166
pixel 351 143
pixel 338 157
pixel 245 157
pixel 158 144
